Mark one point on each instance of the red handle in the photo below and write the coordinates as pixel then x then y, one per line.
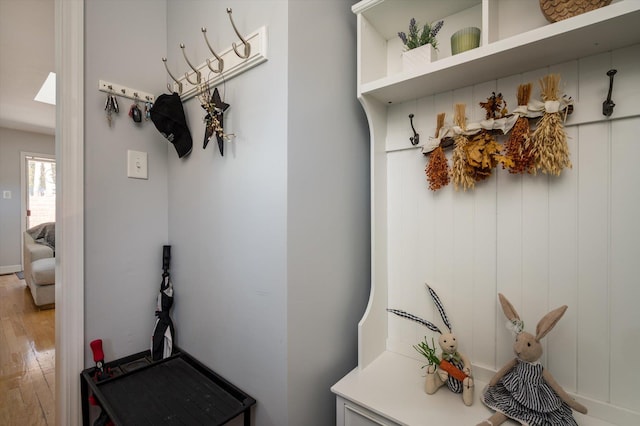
pixel 96 347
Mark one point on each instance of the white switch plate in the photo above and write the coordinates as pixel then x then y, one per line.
pixel 6 195
pixel 137 165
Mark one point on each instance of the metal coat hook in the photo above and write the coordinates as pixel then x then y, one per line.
pixel 186 74
pixel 607 106
pixel 247 46
pixel 173 78
pixel 415 139
pixel 218 58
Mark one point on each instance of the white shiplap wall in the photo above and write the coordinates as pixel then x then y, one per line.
pixel 541 240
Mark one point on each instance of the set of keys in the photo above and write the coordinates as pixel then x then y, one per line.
pixel 136 114
pixel 111 106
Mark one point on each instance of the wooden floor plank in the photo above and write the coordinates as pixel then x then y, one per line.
pixel 27 357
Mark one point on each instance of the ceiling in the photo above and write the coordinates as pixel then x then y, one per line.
pixel 27 45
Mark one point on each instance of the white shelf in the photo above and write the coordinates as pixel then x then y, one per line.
pixel 601 30
pixel 393 387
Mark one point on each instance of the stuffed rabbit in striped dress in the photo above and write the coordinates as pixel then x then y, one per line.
pixel 522 390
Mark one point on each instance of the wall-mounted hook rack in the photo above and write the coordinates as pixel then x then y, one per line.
pixel 233 65
pixel 608 105
pixel 247 45
pixel 178 84
pixel 215 55
pixel 125 92
pixel 195 70
pixel 415 139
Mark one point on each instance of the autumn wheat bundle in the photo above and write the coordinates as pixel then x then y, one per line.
pixel 461 177
pixel 549 140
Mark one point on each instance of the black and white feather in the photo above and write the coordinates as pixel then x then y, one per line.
pixel 417 319
pixel 438 304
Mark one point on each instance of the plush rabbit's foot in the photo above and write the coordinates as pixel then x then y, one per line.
pixel 495 420
pixel 432 382
pixel 467 391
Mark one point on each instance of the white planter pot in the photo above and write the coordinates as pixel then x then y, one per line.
pixel 418 57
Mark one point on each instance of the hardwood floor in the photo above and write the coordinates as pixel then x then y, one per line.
pixel 27 357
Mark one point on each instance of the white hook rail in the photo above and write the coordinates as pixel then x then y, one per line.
pixel 125 92
pixel 233 65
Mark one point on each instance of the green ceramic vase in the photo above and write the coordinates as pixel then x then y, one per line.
pixel 465 39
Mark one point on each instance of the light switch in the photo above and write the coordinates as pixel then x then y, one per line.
pixel 6 195
pixel 137 165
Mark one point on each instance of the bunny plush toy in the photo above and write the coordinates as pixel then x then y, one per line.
pixel 522 390
pixel 437 377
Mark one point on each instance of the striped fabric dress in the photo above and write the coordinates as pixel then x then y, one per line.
pixel 523 395
pixel 454 385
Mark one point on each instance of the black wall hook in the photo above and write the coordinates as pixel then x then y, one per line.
pixel 607 106
pixel 415 139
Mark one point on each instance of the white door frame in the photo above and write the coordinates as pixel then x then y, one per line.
pixel 69 292
pixel 23 195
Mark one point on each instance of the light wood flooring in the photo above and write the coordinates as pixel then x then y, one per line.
pixel 27 357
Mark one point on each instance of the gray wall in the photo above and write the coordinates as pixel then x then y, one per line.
pixel 12 142
pixel 227 215
pixel 270 241
pixel 125 219
pixel 327 207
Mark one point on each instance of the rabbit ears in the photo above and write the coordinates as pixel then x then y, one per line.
pixel 545 325
pixel 422 321
pixel 438 303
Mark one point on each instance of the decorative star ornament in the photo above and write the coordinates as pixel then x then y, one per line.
pixel 214 120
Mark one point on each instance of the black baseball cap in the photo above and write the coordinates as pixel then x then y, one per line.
pixel 168 116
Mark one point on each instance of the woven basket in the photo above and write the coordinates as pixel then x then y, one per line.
pixel 557 10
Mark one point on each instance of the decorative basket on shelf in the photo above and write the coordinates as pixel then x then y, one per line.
pixel 557 10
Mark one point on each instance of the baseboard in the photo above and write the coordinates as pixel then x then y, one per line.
pixel 10 269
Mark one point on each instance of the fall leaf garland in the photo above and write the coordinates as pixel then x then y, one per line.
pixel 476 151
pixel 437 169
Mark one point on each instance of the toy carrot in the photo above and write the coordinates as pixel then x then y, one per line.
pixel 429 352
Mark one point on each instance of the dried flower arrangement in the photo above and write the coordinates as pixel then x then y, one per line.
pixel 482 152
pixel 438 168
pixel 518 147
pixel 549 140
pixel 416 38
pixel 461 177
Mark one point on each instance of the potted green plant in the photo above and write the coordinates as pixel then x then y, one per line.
pixel 420 44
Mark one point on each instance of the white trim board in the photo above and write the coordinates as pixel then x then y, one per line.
pixel 10 269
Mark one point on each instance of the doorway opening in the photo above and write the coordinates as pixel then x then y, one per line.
pixel 38 189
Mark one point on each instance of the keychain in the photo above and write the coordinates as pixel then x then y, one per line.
pixel 147 110
pixel 135 113
pixel 111 106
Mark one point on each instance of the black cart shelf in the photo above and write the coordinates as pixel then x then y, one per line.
pixel 178 390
